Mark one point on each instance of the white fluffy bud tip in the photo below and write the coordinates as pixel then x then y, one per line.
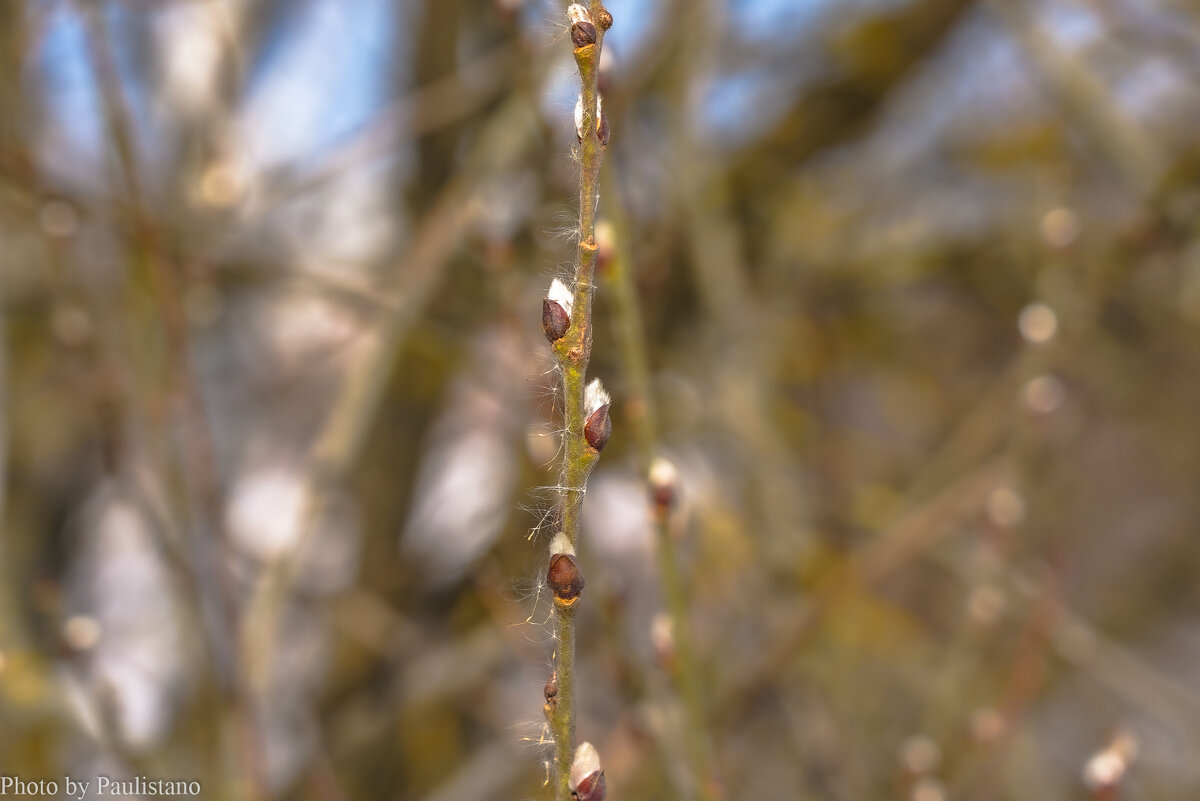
pixel 578 13
pixel 587 779
pixel 597 425
pixel 561 544
pixel 556 312
pixel 579 118
pixel 594 397
pixel 560 294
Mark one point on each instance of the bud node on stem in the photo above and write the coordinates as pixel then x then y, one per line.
pixel 598 428
pixel 555 320
pixel 597 425
pixel 565 578
pixel 585 57
pixel 583 33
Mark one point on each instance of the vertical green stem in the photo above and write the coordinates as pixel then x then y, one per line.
pixel 562 719
pixel 573 352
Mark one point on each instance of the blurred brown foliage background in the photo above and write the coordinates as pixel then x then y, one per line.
pixel 920 283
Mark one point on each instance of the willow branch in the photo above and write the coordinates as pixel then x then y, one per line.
pixel 585 411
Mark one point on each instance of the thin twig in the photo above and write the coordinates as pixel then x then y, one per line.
pixel 573 351
pixel 685 668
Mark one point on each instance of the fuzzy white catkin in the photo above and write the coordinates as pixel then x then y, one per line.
pixel 579 113
pixel 561 544
pixel 595 396
pixel 578 13
pixel 560 294
pixel 587 762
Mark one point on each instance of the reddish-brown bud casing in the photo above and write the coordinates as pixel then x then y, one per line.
pixel 598 428
pixel 565 579
pixel 555 320
pixel 583 33
pixel 592 788
pixel 586 780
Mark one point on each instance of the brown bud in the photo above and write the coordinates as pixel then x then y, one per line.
pixel 602 132
pixel 598 428
pixel 565 578
pixel 555 320
pixel 597 425
pixel 583 33
pixel 586 780
pixel 592 788
pixel 663 484
pixel 605 19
